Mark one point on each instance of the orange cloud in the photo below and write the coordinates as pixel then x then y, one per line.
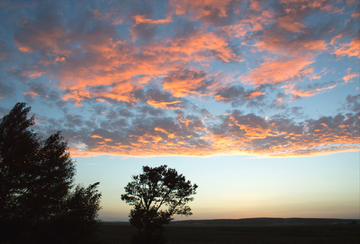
pixel 254 94
pixel 32 74
pixel 58 59
pixel 122 91
pixel 161 104
pixel 113 63
pixel 278 71
pixel 95 62
pixel 200 9
pixel 351 49
pixel 200 46
pixel 187 82
pixel 141 19
pixel 249 25
pixel 96 136
pixel 235 133
pixel 277 44
pixel 271 138
pixel 350 76
pixel 310 92
pixel 303 4
pixel 97 58
pixel 255 5
pixel 288 23
pixel 334 39
pixel 23 48
pixel 30 92
pixel 349 2
pixel 112 16
pixel 45 39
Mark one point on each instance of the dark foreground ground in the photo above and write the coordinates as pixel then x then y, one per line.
pixel 191 233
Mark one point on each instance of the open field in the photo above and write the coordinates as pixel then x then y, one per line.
pixel 222 231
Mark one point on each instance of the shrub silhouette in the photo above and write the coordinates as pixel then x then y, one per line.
pixel 156 195
pixel 37 201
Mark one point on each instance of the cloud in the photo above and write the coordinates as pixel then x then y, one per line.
pixel 73 120
pixel 146 28
pixel 6 90
pixel 41 91
pixel 144 31
pixel 350 76
pixel 232 133
pixel 186 82
pixel 294 6
pixel 350 49
pixel 153 136
pixel 113 17
pixel 272 72
pixel 208 11
pixel 160 99
pixel 229 93
pixel 134 79
pixel 150 110
pixel 250 24
pixel 141 19
pixel 248 133
pixel 311 89
pixel 353 103
pixel 238 96
pixel 199 46
pixel 288 23
pixel 45 34
pixel 277 41
pixel 5 51
pixel 68 54
pixel 297 111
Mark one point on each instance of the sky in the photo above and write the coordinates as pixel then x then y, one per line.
pixel 255 101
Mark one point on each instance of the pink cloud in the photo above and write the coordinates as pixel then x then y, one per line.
pixel 189 82
pixel 310 90
pixel 351 49
pixel 32 74
pixel 200 46
pixel 272 72
pixel 249 25
pixel 200 9
pixel 350 76
pixel 108 16
pixel 288 23
pixel 278 44
pixel 142 19
pixel 35 37
pixel 233 133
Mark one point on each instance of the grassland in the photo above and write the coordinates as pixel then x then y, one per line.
pixel 201 232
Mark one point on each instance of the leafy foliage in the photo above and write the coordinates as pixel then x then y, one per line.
pixel 156 195
pixel 37 203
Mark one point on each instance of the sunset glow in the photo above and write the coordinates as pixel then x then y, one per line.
pixel 158 82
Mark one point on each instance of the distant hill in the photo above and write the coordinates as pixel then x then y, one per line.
pixel 267 222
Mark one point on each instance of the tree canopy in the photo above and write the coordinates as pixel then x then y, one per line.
pixel 157 195
pixel 38 202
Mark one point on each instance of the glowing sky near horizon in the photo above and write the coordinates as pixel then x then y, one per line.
pixel 255 100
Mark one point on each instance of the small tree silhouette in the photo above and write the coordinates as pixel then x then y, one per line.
pixel 37 203
pixel 156 195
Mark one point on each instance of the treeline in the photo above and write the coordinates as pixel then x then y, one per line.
pixel 39 202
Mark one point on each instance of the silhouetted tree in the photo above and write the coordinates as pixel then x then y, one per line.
pixel 156 195
pixel 37 203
